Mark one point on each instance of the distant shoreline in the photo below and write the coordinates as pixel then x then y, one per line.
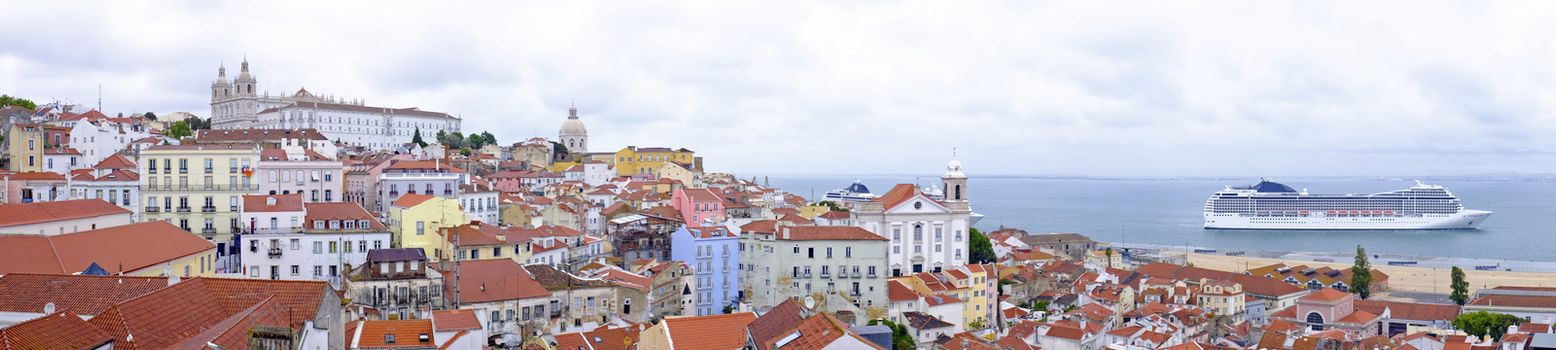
pixel 1424 262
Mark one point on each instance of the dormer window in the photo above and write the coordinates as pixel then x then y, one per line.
pixel 318 224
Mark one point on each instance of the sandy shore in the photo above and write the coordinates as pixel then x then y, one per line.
pixel 1403 280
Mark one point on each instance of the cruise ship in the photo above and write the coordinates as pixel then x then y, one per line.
pixel 1273 206
pixel 856 192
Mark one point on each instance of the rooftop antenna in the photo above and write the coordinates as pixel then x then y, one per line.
pixel 99 97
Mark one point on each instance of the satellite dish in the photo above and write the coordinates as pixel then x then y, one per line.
pixel 810 302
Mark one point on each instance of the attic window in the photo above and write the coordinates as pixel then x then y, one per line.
pixel 388 339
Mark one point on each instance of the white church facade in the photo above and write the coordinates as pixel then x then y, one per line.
pixel 928 232
pixel 238 105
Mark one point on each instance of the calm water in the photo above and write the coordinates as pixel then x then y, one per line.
pixel 1168 212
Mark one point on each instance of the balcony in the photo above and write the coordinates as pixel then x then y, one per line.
pixel 824 274
pixel 183 209
pixel 805 275
pixel 152 209
pixel 208 209
pixel 870 275
pixel 209 186
pixel 208 230
pixel 232 208
pixel 275 253
pixel 232 170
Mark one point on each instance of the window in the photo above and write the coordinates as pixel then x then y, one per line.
pixel 295 270
pixel 318 270
pixel 918 232
pixel 362 246
pixel 848 252
pixel 421 228
pixel 254 271
pixel 318 247
pixel 296 244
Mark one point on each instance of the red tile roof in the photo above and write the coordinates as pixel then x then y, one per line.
pixel 132 247
pixel 59 330
pixel 411 199
pixel 776 323
pixel 1066 332
pixel 700 195
pixel 116 161
pixel 828 233
pixel 183 314
pixel 81 294
pixel 377 334
pixel 896 291
pixel 339 211
pixel 603 338
pixel 708 332
pixel 36 176
pixel 815 333
pixel 495 280
pixel 39 212
pixel 1325 295
pixel 1410 311
pixel 259 203
pixel 455 320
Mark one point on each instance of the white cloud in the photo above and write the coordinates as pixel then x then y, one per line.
pixel 1022 87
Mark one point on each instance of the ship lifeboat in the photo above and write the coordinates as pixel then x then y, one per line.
pixel 1304 212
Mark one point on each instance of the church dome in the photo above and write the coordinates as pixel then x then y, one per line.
pixel 573 126
pixel 954 169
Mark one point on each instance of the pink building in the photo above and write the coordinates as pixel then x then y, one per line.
pixel 698 205
pixel 300 171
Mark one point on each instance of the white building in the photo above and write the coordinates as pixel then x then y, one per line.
pixel 573 135
pixel 239 105
pixel 597 173
pixel 295 170
pixel 326 239
pixel 479 202
pixel 800 261
pixel 100 139
pixel 926 234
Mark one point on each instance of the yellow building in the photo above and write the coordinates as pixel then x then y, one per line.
pixel 811 211
pixel 1222 298
pixel 416 220
pixel 198 188
pixel 676 171
pixel 25 144
pixel 648 160
pixel 561 166
pixel 534 153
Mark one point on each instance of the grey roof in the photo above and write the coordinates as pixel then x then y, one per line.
pixel 396 254
pixel 1543 341
pixel 919 320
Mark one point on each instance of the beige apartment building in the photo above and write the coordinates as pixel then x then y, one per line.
pixel 200 188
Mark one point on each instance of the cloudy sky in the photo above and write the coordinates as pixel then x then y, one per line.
pixel 1148 88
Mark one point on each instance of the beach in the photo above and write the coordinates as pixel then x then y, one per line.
pixel 1406 283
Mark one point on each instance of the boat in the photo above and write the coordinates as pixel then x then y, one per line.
pixel 1274 206
pixel 856 192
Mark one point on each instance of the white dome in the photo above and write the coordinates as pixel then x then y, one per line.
pixel 573 126
pixel 954 169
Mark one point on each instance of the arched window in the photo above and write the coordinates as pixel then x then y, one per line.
pixel 918 232
pixel 1316 321
pixel 958 192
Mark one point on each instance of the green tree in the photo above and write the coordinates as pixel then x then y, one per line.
pixel 180 129
pixel 979 249
pixel 475 140
pixel 558 148
pixel 900 339
pixel 416 138
pixel 490 139
pixel 1109 253
pixel 1460 287
pixel 1485 324
pixel 8 100
pixel 1361 274
pixel 151 116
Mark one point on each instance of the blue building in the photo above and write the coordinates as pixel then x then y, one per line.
pixel 713 253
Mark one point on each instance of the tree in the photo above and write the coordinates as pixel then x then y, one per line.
pixel 442 137
pixel 490 139
pixel 151 116
pixel 1485 324
pixel 1361 274
pixel 475 141
pixel 416 138
pixel 1460 287
pixel 979 250
pixel 180 129
pixel 8 100
pixel 1109 253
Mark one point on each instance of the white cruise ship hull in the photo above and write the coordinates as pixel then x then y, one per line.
pixel 1464 219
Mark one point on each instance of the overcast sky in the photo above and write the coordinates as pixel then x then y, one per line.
pixel 1148 88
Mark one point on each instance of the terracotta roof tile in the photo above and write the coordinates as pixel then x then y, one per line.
pixel 1326 294
pixel 412 199
pixel 896 291
pixel 708 332
pixel 330 211
pixel 132 247
pixel 455 320
pixel 116 161
pixel 495 280
pixel 38 212
pixel 81 294
pixel 59 330
pixel 391 334
pixel 828 233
